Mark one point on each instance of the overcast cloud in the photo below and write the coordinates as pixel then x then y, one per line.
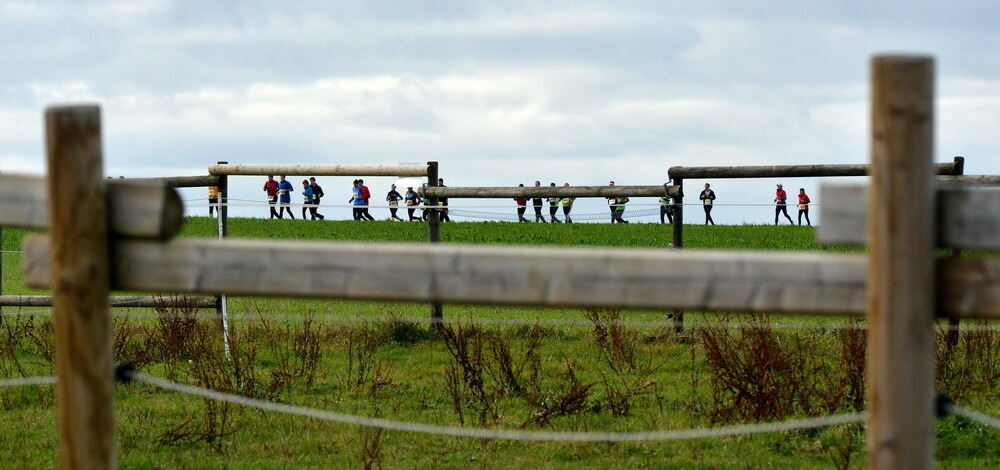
pixel 498 93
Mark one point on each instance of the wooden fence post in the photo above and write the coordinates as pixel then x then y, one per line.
pixel 678 241
pixel 78 223
pixel 222 212
pixel 901 277
pixel 434 229
pixel 953 335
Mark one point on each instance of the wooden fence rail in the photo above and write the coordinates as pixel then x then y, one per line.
pixel 459 192
pixel 955 167
pixel 794 283
pixel 319 170
pixel 967 217
pixel 133 301
pixel 141 210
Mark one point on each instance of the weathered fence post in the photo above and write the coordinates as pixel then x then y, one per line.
pixel 78 224
pixel 222 213
pixel 953 334
pixel 434 229
pixel 678 241
pixel 901 286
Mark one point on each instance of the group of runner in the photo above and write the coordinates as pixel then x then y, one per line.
pixel 707 198
pixel 279 195
pixel 412 200
pixel 537 203
pixel 279 199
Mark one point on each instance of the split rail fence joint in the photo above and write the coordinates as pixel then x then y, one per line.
pixel 135 209
pixel 968 217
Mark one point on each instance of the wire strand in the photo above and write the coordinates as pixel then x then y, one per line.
pixel 979 417
pixel 483 433
pixel 24 381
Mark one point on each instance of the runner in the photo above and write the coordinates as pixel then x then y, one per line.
pixel 779 205
pixel 611 203
pixel 213 199
pixel 522 206
pixel 317 195
pixel 307 198
pixel 804 206
pixel 537 204
pixel 366 196
pixel 443 202
pixel 356 201
pixel 620 202
pixel 567 203
pixel 285 197
pixel 412 201
pixel 553 206
pixel 666 210
pixel 394 197
pixel 271 188
pixel 707 200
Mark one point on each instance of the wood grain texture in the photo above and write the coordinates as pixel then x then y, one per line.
pixel 557 277
pixel 791 171
pixel 180 181
pixel 983 180
pixel 81 275
pixel 472 192
pixel 116 301
pixel 601 277
pixel 901 265
pixel 318 170
pixel 139 210
pixel 968 217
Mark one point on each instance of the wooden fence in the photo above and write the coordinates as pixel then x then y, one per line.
pixel 898 284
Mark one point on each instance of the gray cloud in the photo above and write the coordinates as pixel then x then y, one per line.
pixel 497 92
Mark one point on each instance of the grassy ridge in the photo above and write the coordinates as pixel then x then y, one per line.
pixel 750 237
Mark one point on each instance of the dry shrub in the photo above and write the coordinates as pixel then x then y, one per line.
pixel 365 369
pixel 758 375
pixel 571 398
pixel 371 448
pixel 464 377
pixel 171 337
pixel 211 369
pixel 518 377
pixel 853 344
pixel 972 365
pixel 625 374
pixel 616 345
pixel 129 344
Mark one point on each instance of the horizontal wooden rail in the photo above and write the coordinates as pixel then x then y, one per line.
pixel 791 171
pixel 115 302
pixel 986 180
pixel 138 210
pixel 967 217
pixel 318 170
pixel 807 283
pixel 181 181
pixel 460 192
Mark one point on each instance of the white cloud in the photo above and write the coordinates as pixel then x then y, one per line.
pixel 495 92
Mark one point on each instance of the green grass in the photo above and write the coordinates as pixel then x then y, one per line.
pixel 269 440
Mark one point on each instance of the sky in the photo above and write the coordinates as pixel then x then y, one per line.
pixel 499 93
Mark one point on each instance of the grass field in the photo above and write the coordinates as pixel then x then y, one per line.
pixel 553 378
